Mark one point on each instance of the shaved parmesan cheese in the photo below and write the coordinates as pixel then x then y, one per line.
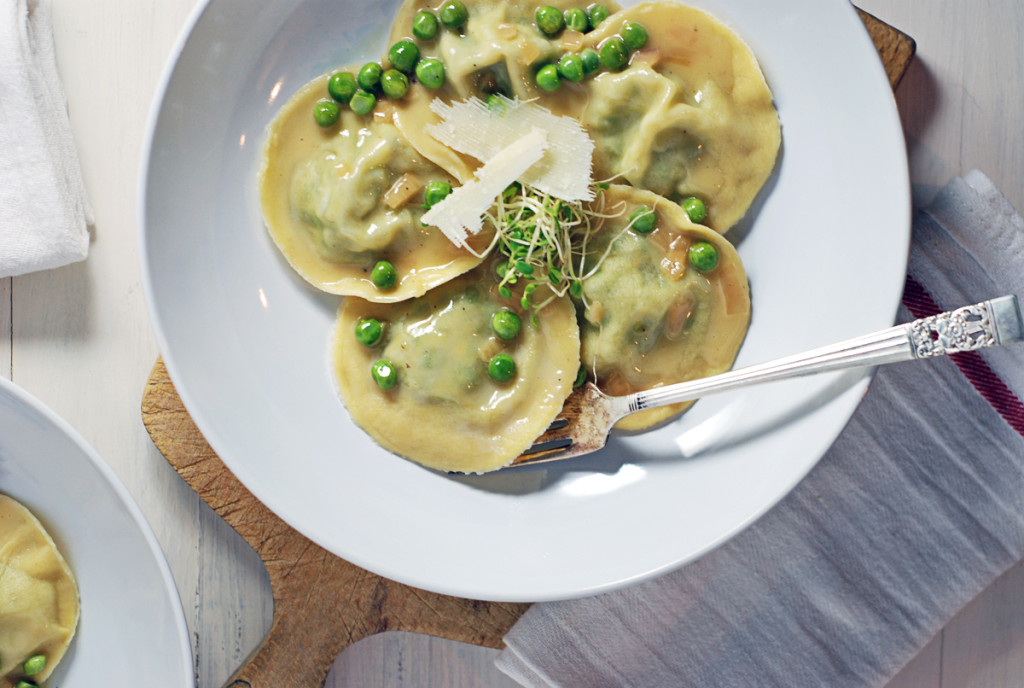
pixel 461 212
pixel 472 128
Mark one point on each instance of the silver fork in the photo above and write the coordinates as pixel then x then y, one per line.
pixel 588 415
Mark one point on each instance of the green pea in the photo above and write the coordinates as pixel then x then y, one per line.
pixel 368 77
pixel 703 256
pixel 591 60
pixel 430 72
pixel 404 55
pixel 549 20
pixel 695 209
pixel 548 79
pixel 424 25
pixel 577 20
pixel 384 374
pixel 614 54
pixel 570 67
pixel 453 14
pixel 598 13
pixel 643 220
pixel 581 377
pixel 501 368
pixel 384 275
pixel 633 35
pixel 506 324
pixel 363 102
pixel 394 84
pixel 342 86
pixel 34 664
pixel 369 331
pixel 326 112
pixel 435 192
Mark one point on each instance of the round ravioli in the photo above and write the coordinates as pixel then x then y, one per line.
pixel 498 50
pixel 445 410
pixel 38 596
pixel 691 115
pixel 651 318
pixel 338 199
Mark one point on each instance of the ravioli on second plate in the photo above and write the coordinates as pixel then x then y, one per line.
pixel 649 317
pixel 338 199
pixel 38 596
pixel 445 411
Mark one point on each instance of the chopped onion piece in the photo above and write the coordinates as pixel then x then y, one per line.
pixel 402 190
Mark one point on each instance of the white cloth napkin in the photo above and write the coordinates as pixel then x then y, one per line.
pixel 915 509
pixel 44 210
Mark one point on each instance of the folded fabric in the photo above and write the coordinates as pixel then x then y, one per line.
pixel 914 510
pixel 44 210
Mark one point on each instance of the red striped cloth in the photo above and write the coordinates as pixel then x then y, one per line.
pixel 921 305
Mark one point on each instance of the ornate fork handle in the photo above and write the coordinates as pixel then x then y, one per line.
pixel 989 323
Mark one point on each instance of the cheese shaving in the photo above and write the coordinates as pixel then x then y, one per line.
pixel 473 128
pixel 461 213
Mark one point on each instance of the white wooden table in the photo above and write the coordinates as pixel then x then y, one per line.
pixel 79 338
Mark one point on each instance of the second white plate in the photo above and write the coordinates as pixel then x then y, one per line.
pixel 132 627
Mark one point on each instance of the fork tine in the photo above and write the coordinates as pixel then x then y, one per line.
pixel 549 443
pixel 540 452
pixel 572 433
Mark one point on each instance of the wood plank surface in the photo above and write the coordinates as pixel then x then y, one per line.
pixel 323 604
pixel 6 331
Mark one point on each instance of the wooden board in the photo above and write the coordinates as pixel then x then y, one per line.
pixel 323 604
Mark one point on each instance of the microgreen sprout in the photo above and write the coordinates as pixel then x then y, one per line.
pixel 544 240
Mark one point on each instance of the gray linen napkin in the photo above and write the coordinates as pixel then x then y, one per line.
pixel 915 509
pixel 44 211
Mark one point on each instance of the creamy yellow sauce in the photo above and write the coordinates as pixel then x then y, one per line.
pixel 690 115
pixel 38 595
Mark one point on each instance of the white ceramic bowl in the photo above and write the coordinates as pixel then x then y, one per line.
pixel 245 340
pixel 131 627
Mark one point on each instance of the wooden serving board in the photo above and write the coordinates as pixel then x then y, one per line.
pixel 323 604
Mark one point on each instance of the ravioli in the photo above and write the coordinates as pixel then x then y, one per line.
pixel 338 199
pixel 445 411
pixel 691 115
pixel 498 51
pixel 649 318
pixel 38 596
